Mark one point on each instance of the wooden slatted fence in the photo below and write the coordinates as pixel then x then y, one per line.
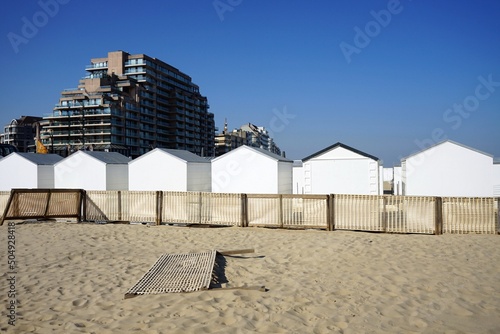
pixel 43 204
pixel 385 213
pixel 470 215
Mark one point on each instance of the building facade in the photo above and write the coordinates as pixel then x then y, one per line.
pixel 21 133
pixel 131 104
pixel 259 137
pixel 248 134
pixel 229 140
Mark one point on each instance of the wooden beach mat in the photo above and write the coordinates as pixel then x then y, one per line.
pixel 176 273
pixel 179 273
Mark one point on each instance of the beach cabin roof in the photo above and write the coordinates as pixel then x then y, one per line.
pixel 447 141
pixel 180 154
pixel 107 157
pixel 336 145
pixel 259 151
pixel 39 159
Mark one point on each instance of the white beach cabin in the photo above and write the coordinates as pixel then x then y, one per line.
pixel 27 170
pixel 251 170
pixel 448 169
pixel 170 170
pixel 92 170
pixel 340 169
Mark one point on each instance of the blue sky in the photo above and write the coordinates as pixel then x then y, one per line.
pixel 385 77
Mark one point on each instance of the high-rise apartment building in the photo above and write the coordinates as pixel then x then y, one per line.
pixel 21 133
pixel 131 104
pixel 248 134
pixel 259 137
pixel 229 140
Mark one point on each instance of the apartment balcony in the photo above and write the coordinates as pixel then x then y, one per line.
pixel 132 107
pixel 165 132
pixel 162 93
pixel 146 127
pixel 164 116
pixel 132 126
pixel 148 120
pixel 162 108
pixel 148 136
pixel 148 103
pixel 161 100
pixel 97 123
pixel 135 62
pixel 97 66
pixel 132 116
pixel 135 70
pixel 89 132
pixel 147 95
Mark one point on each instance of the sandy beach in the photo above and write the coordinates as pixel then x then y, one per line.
pixel 71 278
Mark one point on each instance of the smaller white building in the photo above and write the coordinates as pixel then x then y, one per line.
pixel 398 181
pixel 448 169
pixel 298 177
pixel 170 170
pixel 92 170
pixel 251 170
pixel 27 170
pixel 339 169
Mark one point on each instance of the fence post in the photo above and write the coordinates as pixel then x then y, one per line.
pixel 159 207
pixel 7 207
pixel 438 216
pixel 49 195
pixel 83 206
pixel 200 209
pixel 281 210
pixel 384 213
pixel 331 212
pixel 244 210
pixel 119 205
pixel 498 216
pixel 15 197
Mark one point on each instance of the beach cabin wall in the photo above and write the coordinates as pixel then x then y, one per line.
pixel 91 170
pixel 199 176
pixel 170 170
pixel 496 179
pixel 27 170
pixel 252 170
pixel 381 180
pixel 398 182
pixel 285 177
pixel 340 169
pixel 298 177
pixel 448 169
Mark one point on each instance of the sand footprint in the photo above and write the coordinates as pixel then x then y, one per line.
pixel 80 302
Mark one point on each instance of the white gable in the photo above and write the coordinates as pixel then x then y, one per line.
pixel 448 169
pixel 338 153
